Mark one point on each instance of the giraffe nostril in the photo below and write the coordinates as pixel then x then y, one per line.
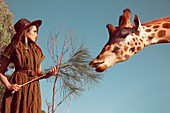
pixel 98 56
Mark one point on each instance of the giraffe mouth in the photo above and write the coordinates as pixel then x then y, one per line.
pixel 95 64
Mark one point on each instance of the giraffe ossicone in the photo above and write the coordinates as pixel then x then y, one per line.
pixel 125 42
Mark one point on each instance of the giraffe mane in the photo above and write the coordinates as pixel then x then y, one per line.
pixel 156 21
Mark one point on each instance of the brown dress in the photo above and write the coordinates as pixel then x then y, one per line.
pixel 28 98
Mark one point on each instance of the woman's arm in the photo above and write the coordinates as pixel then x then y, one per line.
pixel 4 64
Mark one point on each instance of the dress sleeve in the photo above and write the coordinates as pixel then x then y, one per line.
pixel 42 58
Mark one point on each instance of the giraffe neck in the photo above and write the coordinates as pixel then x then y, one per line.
pixel 156 32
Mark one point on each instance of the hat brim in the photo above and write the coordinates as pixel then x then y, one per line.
pixel 36 22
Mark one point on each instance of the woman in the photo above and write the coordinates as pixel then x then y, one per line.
pixel 26 55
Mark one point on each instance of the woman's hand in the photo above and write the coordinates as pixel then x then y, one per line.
pixel 53 71
pixel 13 87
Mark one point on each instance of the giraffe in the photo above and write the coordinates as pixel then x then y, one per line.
pixel 124 42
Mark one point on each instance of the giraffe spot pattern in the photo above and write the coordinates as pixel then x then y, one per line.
pixel 155 30
pixel 166 25
pixel 150 37
pixel 125 48
pixel 141 40
pixel 153 34
pixel 116 50
pixel 139 48
pixel 121 52
pixel 148 25
pixel 156 26
pixel 136 38
pixel 127 56
pixel 163 41
pixel 148 30
pixel 161 33
pixel 132 49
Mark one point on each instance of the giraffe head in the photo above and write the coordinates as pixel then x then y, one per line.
pixel 120 47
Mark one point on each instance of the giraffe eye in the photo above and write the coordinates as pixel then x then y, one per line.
pixel 124 35
pixel 125 31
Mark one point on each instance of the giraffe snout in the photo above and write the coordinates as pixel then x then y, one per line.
pixel 92 64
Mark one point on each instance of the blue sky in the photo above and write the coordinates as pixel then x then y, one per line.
pixel 138 85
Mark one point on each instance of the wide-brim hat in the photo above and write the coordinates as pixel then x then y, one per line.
pixel 23 24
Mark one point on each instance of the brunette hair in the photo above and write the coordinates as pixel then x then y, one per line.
pixel 15 40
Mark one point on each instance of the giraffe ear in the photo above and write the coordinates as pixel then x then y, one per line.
pixel 110 28
pixel 137 23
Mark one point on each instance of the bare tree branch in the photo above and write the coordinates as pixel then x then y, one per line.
pixel 70 103
pixel 74 71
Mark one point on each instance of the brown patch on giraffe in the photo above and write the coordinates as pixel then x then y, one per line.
pixel 148 30
pixel 156 21
pixel 127 56
pixel 116 50
pixel 125 48
pixel 134 39
pixel 143 37
pixel 136 43
pixel 132 34
pixel 148 25
pixel 155 30
pixel 141 40
pixel 132 49
pixel 156 26
pixel 128 43
pixel 150 37
pixel 162 41
pixel 143 27
pixel 161 33
pixel 139 48
pixel 139 43
pixel 121 52
pixel 166 25
pixel 153 34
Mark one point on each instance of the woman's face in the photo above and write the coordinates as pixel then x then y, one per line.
pixel 32 33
